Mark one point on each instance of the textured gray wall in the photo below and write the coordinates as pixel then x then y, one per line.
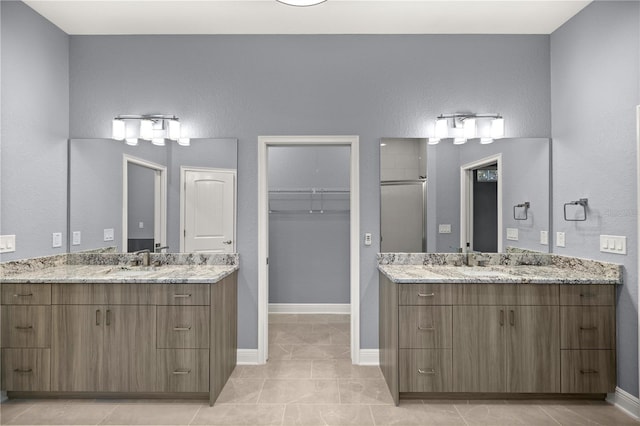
pixel 141 201
pixel 34 131
pixel 246 86
pixel 309 253
pixel 595 86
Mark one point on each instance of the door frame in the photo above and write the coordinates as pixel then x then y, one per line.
pixel 264 142
pixel 466 199
pixel 183 172
pixel 159 199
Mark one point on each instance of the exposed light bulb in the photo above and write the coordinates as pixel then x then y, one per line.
pixel 459 141
pixel 158 141
pixel 497 128
pixel 302 3
pixel 184 141
pixel 146 129
pixel 433 141
pixel 442 130
pixel 131 141
pixel 485 141
pixel 174 130
pixel 118 129
pixel 470 128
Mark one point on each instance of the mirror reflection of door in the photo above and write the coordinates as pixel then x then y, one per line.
pixel 140 207
pixel 208 220
pixel 485 209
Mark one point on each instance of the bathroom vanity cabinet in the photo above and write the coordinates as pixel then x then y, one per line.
pixel 497 338
pixel 122 338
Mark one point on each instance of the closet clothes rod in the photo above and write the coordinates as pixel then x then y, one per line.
pixel 311 211
pixel 309 191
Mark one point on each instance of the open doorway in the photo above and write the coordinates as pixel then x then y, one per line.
pixel 481 205
pixel 264 143
pixel 144 205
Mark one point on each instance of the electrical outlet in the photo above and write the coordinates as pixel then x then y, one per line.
pixel 108 234
pixel 7 243
pixel 512 234
pixel 560 242
pixel 367 239
pixel 444 228
pixel 544 238
pixel 76 238
pixel 56 239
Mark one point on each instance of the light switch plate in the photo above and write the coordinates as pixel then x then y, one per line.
pixel 613 244
pixel 444 228
pixel 76 238
pixel 544 238
pixel 367 239
pixel 512 234
pixel 56 239
pixel 108 234
pixel 560 242
pixel 7 243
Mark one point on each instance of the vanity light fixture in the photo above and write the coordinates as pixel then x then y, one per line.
pixel 462 126
pixel 301 3
pixel 152 127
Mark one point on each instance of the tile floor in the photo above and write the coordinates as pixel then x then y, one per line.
pixel 309 380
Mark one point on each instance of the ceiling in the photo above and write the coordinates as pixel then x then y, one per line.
pixel 331 17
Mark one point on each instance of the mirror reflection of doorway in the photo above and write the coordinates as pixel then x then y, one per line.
pixel 485 209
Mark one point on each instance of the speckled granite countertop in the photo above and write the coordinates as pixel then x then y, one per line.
pixel 507 269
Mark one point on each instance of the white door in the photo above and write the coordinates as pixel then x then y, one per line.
pixel 209 211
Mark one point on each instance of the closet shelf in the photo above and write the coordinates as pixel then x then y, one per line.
pixel 309 200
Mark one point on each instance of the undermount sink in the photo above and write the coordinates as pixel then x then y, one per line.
pixel 482 273
pixel 124 272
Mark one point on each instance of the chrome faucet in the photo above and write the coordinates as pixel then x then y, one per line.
pixel 146 255
pixel 159 249
pixel 476 258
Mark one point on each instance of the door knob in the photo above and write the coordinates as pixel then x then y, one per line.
pixel 226 242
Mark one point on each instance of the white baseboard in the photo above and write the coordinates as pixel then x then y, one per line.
pixel 369 357
pixel 309 308
pixel 247 357
pixel 625 401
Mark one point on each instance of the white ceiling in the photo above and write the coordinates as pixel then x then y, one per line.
pixel 331 17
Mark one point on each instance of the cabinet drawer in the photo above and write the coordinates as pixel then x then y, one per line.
pixel 425 327
pixel 425 294
pixel 25 370
pixel 588 371
pixel 183 370
pixel 587 327
pixel 506 294
pixel 102 294
pixel 425 370
pixel 26 294
pixel 183 327
pixel 26 326
pixel 182 294
pixel 603 295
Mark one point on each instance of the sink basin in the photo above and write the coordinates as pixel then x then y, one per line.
pixel 482 273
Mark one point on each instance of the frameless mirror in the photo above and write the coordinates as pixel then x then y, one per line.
pixel 448 198
pixel 165 198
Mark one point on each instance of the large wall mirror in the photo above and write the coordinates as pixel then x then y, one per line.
pixel 471 197
pixel 163 198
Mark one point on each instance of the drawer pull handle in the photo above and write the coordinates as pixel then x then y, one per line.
pixel 98 313
pixel 427 371
pixel 512 319
pixel 181 296
pixel 588 328
pixel 426 328
pixel 588 295
pixel 24 327
pixel 426 294
pixel 108 316
pixel 23 295
pixel 181 328
pixel 501 317
pixel 22 370
pixel 588 371
pixel 181 372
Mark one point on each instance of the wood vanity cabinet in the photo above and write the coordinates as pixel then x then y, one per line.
pixel 497 338
pixel 25 313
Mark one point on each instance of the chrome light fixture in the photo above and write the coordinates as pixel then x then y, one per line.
pixel 301 3
pixel 462 126
pixel 152 127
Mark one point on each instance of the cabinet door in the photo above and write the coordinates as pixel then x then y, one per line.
pixel 77 347
pixel 533 349
pixel 479 349
pixel 130 349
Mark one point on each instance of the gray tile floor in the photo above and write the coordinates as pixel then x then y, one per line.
pixel 309 380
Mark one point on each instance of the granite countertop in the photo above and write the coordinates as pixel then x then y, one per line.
pixel 506 274
pixel 95 274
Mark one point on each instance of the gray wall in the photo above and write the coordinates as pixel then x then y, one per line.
pixel 595 86
pixel 34 131
pixel 309 253
pixel 371 86
pixel 141 203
